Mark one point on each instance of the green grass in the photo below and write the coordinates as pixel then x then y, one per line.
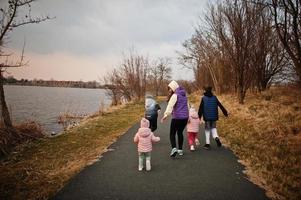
pixel 39 169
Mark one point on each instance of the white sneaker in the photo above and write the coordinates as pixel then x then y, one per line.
pixel 173 152
pixel 197 142
pixel 140 168
pixel 180 152
pixel 148 165
pixel 192 148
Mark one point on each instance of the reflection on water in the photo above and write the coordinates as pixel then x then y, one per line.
pixel 45 104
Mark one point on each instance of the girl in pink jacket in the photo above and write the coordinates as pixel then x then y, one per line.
pixel 193 128
pixel 144 137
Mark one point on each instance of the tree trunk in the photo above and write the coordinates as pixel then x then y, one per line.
pixel 298 70
pixel 5 113
pixel 241 94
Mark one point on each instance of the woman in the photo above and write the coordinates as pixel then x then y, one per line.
pixel 177 107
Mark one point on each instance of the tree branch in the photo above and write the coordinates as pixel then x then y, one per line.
pixel 31 21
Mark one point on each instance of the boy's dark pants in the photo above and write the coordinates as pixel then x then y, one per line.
pixel 152 123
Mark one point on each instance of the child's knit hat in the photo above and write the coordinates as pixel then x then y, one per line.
pixel 144 123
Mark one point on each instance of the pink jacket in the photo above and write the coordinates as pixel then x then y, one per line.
pixel 144 137
pixel 194 122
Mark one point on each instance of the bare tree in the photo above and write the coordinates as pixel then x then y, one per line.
pixel 110 81
pixel 9 20
pixel 226 45
pixel 287 21
pixel 196 57
pixel 271 61
pixel 153 79
pixel 134 69
pixel 236 49
pixel 207 58
pixel 4 110
pixel 237 36
pixel 159 72
pixel 129 80
pixel 164 74
pixel 269 58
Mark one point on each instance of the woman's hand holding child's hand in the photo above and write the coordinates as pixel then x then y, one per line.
pixel 163 118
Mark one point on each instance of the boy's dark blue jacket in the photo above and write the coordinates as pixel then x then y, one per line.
pixel 209 107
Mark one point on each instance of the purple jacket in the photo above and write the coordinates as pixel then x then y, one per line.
pixel 180 110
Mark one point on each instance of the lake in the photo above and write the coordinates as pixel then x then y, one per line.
pixel 45 104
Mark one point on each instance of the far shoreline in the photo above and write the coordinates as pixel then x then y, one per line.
pixel 50 86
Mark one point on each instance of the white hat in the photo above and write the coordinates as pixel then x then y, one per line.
pixel 173 85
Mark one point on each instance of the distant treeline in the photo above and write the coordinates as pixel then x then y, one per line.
pixel 10 80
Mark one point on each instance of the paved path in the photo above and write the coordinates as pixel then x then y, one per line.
pixel 202 174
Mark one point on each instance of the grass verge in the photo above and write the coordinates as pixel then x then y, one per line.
pixel 265 133
pixel 39 169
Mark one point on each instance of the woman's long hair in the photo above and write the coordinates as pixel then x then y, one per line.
pixel 170 93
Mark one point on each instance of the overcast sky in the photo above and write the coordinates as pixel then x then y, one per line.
pixel 88 38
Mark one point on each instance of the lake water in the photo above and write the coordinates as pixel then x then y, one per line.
pixel 45 104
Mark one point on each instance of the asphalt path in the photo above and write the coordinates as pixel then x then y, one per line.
pixel 202 174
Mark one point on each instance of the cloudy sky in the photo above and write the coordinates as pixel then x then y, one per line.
pixel 88 38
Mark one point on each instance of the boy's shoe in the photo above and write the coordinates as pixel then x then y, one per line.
pixel 173 152
pixel 192 148
pixel 197 142
pixel 180 152
pixel 207 146
pixel 218 142
pixel 148 165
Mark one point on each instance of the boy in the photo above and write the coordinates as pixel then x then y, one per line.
pixel 151 111
pixel 209 110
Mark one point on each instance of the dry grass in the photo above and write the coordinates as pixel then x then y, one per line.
pixel 30 129
pixel 21 133
pixel 265 133
pixel 39 169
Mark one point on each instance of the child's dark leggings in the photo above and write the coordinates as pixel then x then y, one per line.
pixel 177 127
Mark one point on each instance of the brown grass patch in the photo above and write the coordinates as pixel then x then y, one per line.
pixel 25 132
pixel 265 134
pixel 30 129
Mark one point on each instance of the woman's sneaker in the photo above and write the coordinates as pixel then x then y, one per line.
pixel 192 148
pixel 173 152
pixel 180 152
pixel 207 146
pixel 218 142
